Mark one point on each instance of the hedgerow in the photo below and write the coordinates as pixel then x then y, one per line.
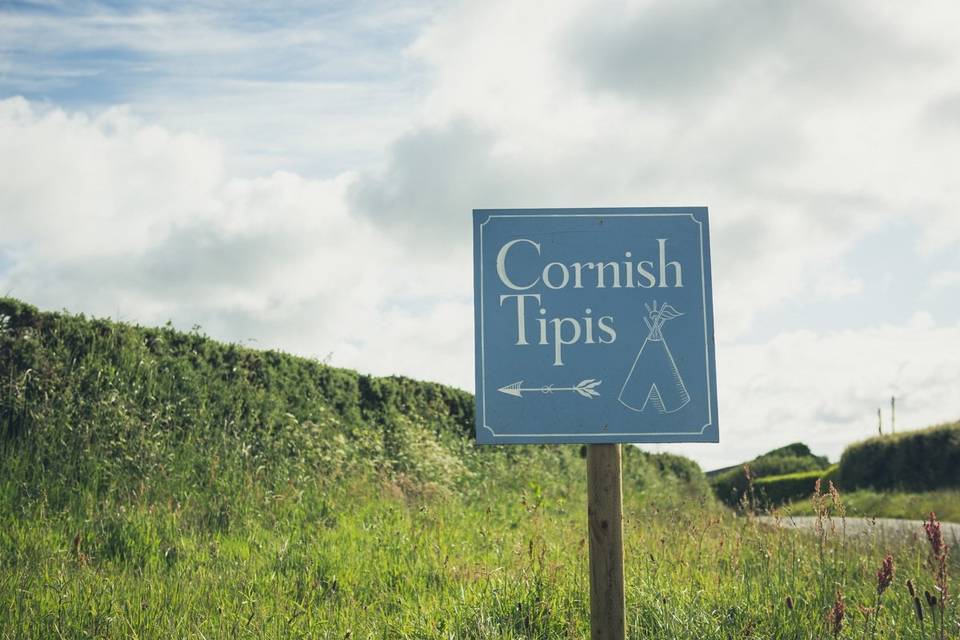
pixel 921 460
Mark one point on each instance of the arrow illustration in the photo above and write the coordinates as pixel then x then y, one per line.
pixel 586 388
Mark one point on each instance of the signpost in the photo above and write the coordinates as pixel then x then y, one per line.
pixel 595 326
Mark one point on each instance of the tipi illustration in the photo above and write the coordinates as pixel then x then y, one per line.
pixel 654 380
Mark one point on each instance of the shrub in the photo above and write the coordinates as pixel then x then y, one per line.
pixel 664 474
pixel 912 461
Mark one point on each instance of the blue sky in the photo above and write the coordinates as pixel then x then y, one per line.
pixel 301 175
pixel 302 72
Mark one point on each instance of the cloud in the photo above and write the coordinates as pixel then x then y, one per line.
pixel 293 87
pixel 797 126
pixel 434 178
pixel 944 280
pixel 944 113
pixel 73 186
pixel 112 216
pixel 683 51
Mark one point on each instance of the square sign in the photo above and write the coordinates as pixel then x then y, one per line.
pixel 594 326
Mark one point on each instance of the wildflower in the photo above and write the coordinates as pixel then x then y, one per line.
pixel 935 536
pixel 885 575
pixel 819 509
pixel 939 550
pixel 835 498
pixel 746 499
pixel 835 615
pixel 884 578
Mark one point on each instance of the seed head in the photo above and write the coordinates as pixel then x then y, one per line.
pixel 935 536
pixel 913 593
pixel 885 575
pixel 939 550
pixel 835 497
pixel 835 616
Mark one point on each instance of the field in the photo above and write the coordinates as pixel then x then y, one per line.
pixel 157 484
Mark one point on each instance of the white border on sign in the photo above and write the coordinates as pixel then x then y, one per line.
pixel 706 350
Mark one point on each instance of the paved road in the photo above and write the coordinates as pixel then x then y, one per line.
pixel 872 526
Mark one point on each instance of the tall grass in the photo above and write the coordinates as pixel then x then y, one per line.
pixel 370 561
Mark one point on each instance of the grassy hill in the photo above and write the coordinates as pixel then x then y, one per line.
pixel 730 484
pixel 159 484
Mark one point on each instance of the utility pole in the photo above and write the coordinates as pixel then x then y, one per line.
pixel 879 421
pixel 893 414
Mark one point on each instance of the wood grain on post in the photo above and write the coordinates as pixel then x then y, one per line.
pixel 605 522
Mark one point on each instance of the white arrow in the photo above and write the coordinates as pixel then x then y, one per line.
pixel 586 388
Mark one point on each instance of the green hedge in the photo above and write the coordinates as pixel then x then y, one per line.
pixel 114 408
pixel 775 490
pixel 729 485
pixel 912 461
pixel 96 408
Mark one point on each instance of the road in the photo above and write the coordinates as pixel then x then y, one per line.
pixel 871 526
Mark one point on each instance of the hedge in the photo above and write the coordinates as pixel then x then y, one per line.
pixel 776 490
pixel 911 461
pixel 729 485
pixel 101 408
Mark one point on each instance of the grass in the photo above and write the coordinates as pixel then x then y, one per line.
pixel 895 504
pixel 369 561
pixel 157 484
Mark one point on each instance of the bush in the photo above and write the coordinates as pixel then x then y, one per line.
pixel 664 474
pixel 913 461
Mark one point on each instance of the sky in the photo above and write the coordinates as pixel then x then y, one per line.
pixel 300 176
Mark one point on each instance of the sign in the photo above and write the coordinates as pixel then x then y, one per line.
pixel 594 326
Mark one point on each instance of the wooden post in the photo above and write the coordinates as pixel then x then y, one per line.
pixel 605 523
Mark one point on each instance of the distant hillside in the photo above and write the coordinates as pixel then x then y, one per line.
pixel 777 458
pixel 730 483
pixel 93 409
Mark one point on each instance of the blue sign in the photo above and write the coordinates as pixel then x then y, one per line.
pixel 594 325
